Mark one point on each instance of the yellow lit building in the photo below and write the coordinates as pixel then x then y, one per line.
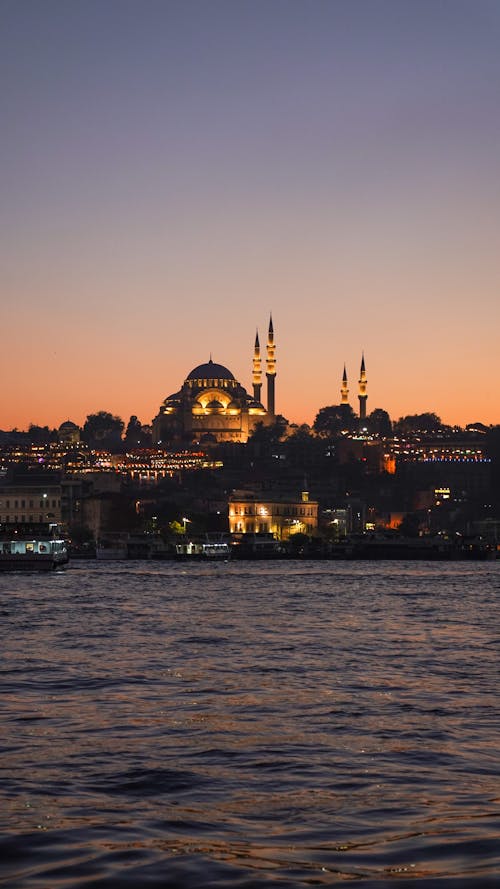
pixel 274 514
pixel 213 406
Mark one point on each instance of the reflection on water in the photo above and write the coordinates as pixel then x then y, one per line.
pixel 249 724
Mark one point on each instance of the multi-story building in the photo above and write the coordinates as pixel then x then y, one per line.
pixel 271 513
pixel 30 503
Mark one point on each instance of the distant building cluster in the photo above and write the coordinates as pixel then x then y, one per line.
pixel 342 477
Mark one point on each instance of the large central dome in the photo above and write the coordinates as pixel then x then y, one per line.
pixel 210 371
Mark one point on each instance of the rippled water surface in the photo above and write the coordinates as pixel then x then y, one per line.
pixel 250 724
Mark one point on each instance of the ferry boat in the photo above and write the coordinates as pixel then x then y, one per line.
pixel 30 550
pixel 213 547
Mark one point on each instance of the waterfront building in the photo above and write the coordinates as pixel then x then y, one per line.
pixel 30 503
pixel 272 513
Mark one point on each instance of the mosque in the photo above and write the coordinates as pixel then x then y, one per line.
pixel 212 406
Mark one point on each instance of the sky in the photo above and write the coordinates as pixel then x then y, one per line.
pixel 172 172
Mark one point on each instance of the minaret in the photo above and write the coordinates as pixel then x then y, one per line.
pixel 362 390
pixel 257 369
pixel 270 368
pixel 344 391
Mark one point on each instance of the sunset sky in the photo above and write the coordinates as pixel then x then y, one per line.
pixel 171 172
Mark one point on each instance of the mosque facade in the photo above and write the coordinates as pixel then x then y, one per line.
pixel 212 406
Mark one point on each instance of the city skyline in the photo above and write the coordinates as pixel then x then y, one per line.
pixel 173 172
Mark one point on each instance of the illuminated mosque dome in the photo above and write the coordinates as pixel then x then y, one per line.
pixel 210 370
pixel 212 405
pixel 68 432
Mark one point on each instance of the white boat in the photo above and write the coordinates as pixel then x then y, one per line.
pixel 42 551
pixel 213 547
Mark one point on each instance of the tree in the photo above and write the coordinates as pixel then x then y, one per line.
pixel 333 420
pixel 103 430
pixel 39 435
pixel 379 422
pixel 136 434
pixel 265 436
pixel 426 422
pixel 302 449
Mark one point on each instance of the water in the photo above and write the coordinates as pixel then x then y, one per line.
pixel 250 725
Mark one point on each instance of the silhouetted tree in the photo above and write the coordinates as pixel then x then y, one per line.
pixel 136 435
pixel 379 422
pixel 103 430
pixel 302 449
pixel 265 436
pixel 39 435
pixel 333 420
pixel 426 422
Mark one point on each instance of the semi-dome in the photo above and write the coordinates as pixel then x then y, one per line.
pixel 210 371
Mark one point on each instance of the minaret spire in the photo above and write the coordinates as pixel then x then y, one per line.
pixel 257 369
pixel 270 367
pixel 344 391
pixel 362 389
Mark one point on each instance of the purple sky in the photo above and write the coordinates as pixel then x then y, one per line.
pixel 172 172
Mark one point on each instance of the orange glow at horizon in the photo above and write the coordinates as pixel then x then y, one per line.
pixel 340 170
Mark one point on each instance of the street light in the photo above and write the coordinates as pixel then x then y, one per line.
pixel 185 522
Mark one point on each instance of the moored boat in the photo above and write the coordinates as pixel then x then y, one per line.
pixel 41 550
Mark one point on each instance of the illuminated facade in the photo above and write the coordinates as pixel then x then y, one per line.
pixel 278 515
pixel 28 504
pixel 212 406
